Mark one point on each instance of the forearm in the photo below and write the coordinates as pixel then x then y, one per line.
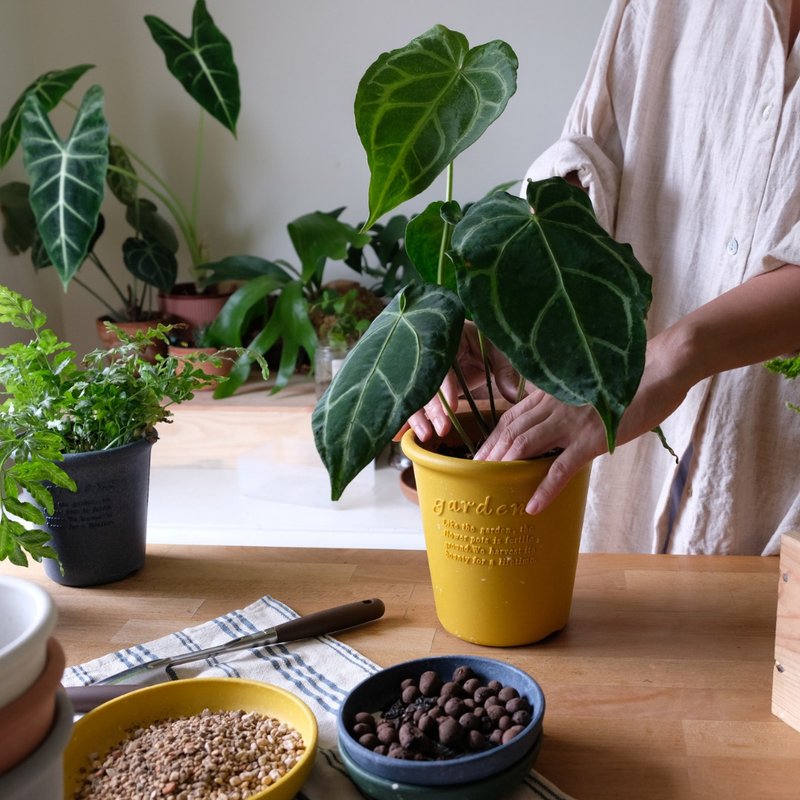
pixel 755 321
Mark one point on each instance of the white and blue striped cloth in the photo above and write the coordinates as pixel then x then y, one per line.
pixel 320 671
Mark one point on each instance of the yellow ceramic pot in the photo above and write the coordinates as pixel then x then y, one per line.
pixel 501 577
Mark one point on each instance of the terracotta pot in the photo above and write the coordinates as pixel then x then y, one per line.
pixel 222 371
pixel 500 576
pixel 109 339
pixel 197 311
pixel 40 775
pixel 26 721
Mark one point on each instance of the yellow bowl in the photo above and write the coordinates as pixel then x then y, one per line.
pixel 105 726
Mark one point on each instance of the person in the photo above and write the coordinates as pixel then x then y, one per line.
pixel 685 135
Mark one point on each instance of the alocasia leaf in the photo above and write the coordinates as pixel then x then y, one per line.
pixel 203 63
pixel 418 107
pixel 67 178
pixel 561 298
pixel 394 369
pixel 49 89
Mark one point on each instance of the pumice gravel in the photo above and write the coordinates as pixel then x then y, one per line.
pixel 214 755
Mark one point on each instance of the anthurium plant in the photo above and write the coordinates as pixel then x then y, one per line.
pixel 537 274
pixel 52 403
pixel 58 215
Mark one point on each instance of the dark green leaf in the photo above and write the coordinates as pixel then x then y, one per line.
pixel 418 107
pixel 572 318
pixel 142 215
pixel 394 369
pixel 49 89
pixel 203 63
pixel 319 236
pixel 67 178
pixel 19 224
pixel 151 262
pixel 424 236
pixel 296 331
pixel 242 268
pixel 122 178
pixel 230 325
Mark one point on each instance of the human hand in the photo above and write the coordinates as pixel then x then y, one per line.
pixel 432 418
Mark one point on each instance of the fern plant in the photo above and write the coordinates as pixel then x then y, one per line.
pixel 52 403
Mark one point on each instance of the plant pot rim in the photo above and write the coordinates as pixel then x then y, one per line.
pixel 425 454
pixel 135 443
pixel 28 650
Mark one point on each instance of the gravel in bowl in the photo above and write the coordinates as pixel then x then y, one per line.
pixel 198 739
pixel 442 720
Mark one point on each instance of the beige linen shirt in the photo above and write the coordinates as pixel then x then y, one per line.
pixel 685 134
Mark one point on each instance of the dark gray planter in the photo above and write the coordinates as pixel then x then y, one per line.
pixel 100 531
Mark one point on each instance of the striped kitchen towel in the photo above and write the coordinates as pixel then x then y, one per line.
pixel 321 671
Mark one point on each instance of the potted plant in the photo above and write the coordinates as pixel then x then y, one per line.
pixel 540 279
pixel 60 219
pixel 276 301
pixel 75 440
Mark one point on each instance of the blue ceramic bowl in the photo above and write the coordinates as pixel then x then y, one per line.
pixel 499 785
pixel 381 689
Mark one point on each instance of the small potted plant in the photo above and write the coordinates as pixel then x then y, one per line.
pixel 540 279
pixel 75 441
pixel 60 219
pixel 276 301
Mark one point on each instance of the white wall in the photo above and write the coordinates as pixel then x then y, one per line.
pixel 297 150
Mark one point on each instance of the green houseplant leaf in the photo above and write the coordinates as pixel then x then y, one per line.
pixel 556 294
pixel 67 178
pixel 203 63
pixel 395 368
pixel 418 107
pixel 319 236
pixel 48 89
pixel 151 262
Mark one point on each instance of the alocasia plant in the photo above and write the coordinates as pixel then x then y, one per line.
pixel 537 275
pixel 68 177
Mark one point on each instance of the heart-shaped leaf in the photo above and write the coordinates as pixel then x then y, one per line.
pixel 142 215
pixel 151 262
pixel 203 63
pixel 418 107
pixel 394 369
pixel 49 89
pixel 67 178
pixel 562 299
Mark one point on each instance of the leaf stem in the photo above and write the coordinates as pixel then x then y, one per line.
pixel 456 424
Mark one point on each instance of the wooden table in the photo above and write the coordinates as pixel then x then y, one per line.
pixel 659 687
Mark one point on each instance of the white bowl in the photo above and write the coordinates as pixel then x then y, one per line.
pixel 27 618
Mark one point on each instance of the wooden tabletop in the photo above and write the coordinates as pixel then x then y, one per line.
pixel 659 687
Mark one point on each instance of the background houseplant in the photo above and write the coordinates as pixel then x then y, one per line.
pixel 58 220
pixel 55 407
pixel 277 302
pixel 537 275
